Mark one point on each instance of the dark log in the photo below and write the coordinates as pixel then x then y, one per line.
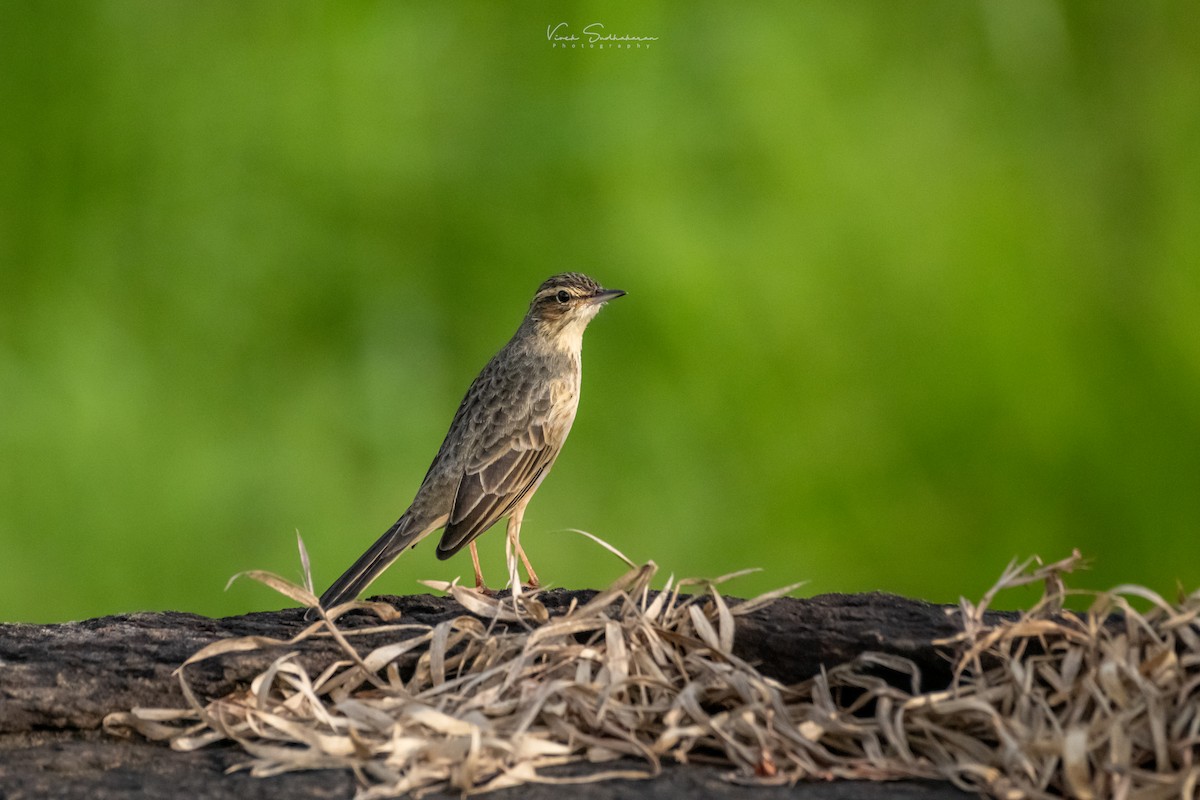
pixel 57 682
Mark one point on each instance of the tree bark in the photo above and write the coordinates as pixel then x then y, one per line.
pixel 57 683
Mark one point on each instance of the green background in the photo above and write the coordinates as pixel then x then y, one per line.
pixel 913 288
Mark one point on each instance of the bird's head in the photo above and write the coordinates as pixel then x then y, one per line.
pixel 565 304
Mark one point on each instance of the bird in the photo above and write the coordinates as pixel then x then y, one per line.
pixel 503 440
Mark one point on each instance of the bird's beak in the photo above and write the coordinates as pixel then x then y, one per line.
pixel 604 295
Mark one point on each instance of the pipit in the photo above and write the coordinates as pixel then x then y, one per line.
pixel 506 434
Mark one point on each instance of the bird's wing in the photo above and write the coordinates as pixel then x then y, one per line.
pixel 506 465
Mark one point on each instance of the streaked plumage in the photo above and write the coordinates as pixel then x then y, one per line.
pixel 503 440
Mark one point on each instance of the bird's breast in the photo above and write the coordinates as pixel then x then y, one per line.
pixel 564 400
pixel 564 393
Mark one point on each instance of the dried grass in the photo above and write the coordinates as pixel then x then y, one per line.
pixel 1096 705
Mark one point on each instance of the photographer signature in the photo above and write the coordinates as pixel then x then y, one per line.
pixel 594 33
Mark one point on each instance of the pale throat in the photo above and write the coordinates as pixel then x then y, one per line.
pixel 568 336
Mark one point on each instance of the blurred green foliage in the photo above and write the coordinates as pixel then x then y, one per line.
pixel 913 288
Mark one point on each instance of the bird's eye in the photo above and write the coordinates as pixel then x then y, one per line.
pixel 562 296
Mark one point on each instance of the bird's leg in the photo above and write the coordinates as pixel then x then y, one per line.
pixel 510 561
pixel 514 536
pixel 479 584
pixel 533 578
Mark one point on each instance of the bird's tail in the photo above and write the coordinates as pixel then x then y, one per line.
pixel 371 563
